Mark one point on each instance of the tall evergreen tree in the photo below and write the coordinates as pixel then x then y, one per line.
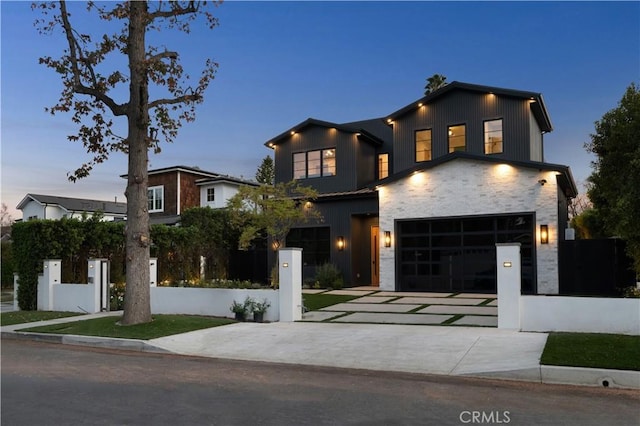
pixel 615 181
pixel 266 172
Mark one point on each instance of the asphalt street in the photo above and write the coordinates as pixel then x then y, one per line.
pixel 50 384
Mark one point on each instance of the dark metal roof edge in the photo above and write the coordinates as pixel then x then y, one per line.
pixel 542 114
pixel 564 170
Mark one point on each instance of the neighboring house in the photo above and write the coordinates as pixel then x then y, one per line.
pixel 36 206
pixel 417 201
pixel 172 190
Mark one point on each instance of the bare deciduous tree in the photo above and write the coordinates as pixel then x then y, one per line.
pixel 90 89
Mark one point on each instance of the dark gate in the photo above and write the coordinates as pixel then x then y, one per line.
pixel 594 267
pixel 249 265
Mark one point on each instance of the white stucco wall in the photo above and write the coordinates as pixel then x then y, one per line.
pixel 223 191
pixel 464 187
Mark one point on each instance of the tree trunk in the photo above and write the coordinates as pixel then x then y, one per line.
pixel 137 306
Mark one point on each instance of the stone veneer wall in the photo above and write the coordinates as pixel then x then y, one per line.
pixel 465 187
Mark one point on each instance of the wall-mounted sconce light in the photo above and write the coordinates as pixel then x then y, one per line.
pixel 387 238
pixel 542 182
pixel 544 234
pixel 275 245
pixel 340 243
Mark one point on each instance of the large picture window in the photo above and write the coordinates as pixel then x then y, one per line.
pixel 155 195
pixel 312 164
pixel 493 137
pixel 457 138
pixel 423 145
pixel 315 244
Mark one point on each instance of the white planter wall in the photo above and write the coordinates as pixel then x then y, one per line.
pixel 75 298
pixel 580 314
pixel 208 301
pixel 465 187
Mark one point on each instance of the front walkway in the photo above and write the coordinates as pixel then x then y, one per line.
pixel 387 307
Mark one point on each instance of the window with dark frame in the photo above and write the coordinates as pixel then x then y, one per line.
pixel 423 145
pixel 493 143
pixel 211 195
pixel 313 164
pixel 383 166
pixel 457 138
pixel 315 244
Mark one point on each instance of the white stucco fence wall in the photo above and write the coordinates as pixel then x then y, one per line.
pixel 209 301
pixel 580 314
pixel 75 298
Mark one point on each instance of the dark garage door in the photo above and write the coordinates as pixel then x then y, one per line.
pixel 454 255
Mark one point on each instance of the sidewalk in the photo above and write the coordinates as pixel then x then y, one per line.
pixel 455 351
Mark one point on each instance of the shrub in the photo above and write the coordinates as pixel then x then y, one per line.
pixel 7 268
pixel 116 296
pixel 631 292
pixel 329 276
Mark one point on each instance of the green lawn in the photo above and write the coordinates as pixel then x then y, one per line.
pixel 314 302
pixel 613 351
pixel 162 325
pixel 20 317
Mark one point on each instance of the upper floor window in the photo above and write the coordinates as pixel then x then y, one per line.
pixel 423 145
pixel 314 164
pixel 155 195
pixel 493 136
pixel 211 195
pixel 457 138
pixel 383 166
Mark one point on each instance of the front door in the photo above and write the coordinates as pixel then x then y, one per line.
pixel 375 256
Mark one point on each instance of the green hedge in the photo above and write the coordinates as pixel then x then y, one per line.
pixel 204 232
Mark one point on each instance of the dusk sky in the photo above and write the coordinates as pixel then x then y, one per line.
pixel 283 62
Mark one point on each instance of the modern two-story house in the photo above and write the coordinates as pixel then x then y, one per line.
pixel 417 200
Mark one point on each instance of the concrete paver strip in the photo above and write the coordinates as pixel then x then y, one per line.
pixel 349 292
pixel 476 296
pixel 485 321
pixel 370 307
pixel 411 294
pixel 492 303
pixel 386 318
pixel 313 290
pixel 371 299
pixel 438 301
pixel 320 315
pixel 449 309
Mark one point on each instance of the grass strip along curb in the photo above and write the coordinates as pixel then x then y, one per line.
pixel 162 325
pixel 591 350
pixel 22 317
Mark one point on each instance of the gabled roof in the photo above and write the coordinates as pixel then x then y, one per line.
pixel 76 204
pixel 537 106
pixel 192 170
pixel 565 178
pixel 368 130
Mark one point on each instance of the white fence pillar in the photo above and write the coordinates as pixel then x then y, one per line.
pixel 96 277
pixel 51 274
pixel 153 272
pixel 16 306
pixel 290 283
pixel 509 285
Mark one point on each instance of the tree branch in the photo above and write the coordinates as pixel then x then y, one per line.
pixel 178 100
pixel 165 54
pixel 75 55
pixel 176 10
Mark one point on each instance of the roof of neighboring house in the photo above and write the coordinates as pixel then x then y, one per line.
pixel 225 179
pixel 76 204
pixel 192 170
pixel 372 131
pixel 538 106
pixel 565 178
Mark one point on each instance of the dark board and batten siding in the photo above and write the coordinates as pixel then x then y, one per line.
pixel 472 110
pixel 355 160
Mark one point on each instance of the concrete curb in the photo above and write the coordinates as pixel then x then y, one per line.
pixel 91 341
pixel 626 379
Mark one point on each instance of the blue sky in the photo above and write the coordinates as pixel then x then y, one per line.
pixel 282 62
